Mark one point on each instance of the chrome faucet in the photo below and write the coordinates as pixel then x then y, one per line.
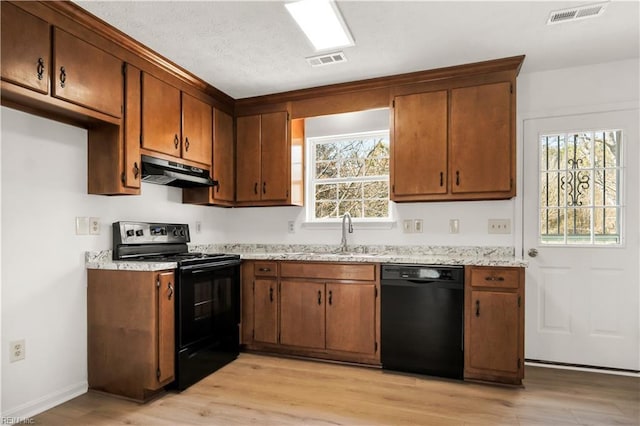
pixel 343 243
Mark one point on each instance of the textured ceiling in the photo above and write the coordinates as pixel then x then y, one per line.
pixel 249 48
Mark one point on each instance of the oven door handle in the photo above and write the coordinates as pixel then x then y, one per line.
pixel 198 269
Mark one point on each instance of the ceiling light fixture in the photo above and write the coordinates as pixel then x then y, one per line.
pixel 321 22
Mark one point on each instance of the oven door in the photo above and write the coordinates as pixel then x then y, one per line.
pixel 207 319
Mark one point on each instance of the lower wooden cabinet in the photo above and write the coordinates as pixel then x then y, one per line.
pixel 322 310
pixel 131 331
pixel 494 324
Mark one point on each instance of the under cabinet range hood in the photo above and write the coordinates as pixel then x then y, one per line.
pixel 164 172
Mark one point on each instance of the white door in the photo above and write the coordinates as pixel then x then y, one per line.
pixel 581 191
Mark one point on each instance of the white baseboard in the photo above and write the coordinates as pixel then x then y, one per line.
pixel 587 369
pixel 37 406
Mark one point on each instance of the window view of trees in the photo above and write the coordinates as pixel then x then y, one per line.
pixel 351 174
pixel 579 187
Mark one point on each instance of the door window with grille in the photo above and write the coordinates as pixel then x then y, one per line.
pixel 581 188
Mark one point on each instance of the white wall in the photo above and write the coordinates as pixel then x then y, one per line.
pixel 44 174
pixel 43 189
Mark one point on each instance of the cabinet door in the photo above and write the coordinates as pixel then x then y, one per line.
pixel 351 317
pixel 196 130
pixel 25 48
pixel 275 158
pixel 223 156
pixel 86 75
pixel 420 144
pixel 160 116
pixel 302 314
pixel 493 333
pixel 266 311
pixel 481 139
pixel 166 329
pixel 132 166
pixel 248 163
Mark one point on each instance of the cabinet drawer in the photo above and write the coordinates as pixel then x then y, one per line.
pixel 495 277
pixel 332 271
pixel 265 269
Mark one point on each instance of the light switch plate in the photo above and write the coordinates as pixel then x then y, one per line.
pixel 454 226
pixel 82 225
pixel 417 225
pixel 407 226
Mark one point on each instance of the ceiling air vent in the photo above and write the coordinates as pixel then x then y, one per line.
pixel 326 59
pixel 575 13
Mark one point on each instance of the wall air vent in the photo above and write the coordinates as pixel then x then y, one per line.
pixel 576 13
pixel 326 59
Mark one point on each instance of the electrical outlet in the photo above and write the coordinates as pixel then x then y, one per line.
pixel 82 225
pixel 417 225
pixel 291 227
pixel 454 226
pixel 16 350
pixel 499 226
pixel 94 225
pixel 198 227
pixel 407 226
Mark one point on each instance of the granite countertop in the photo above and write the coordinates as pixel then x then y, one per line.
pixel 428 255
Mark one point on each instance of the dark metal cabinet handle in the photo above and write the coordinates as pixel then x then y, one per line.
pixel 217 186
pixel 63 76
pixel 136 170
pixel 264 187
pixel 40 68
pixel 176 141
pixel 477 308
pixel 319 297
pixel 457 177
pixel 170 287
pixel 271 294
pixel 441 178
pixel 264 269
pixel 186 144
pixel 494 278
pixel 255 188
pixel 330 297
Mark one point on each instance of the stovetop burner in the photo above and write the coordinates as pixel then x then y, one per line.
pixel 185 258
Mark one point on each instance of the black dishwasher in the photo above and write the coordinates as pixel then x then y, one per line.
pixel 422 323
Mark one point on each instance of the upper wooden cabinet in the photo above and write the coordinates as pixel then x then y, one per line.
pixel 494 324
pixel 79 72
pixel 265 161
pixel 454 144
pixel 420 145
pixel 161 116
pixel 175 123
pixel 196 130
pixel 481 146
pixel 86 75
pixel 25 48
pixel 262 142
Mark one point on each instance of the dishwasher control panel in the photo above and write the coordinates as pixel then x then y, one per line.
pixel 423 272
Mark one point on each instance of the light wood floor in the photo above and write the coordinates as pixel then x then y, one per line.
pixel 264 390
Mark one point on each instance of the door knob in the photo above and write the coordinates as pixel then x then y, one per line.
pixel 533 252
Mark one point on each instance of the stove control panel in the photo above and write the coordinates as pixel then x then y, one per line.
pixel 150 233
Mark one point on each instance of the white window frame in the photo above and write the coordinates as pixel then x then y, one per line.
pixel 310 196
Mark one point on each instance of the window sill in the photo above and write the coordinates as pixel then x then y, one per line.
pixel 380 224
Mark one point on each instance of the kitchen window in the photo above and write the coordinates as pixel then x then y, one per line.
pixel 580 188
pixel 349 173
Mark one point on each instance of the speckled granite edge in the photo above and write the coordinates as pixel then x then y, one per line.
pixel 429 255
pixel 103 260
pixel 432 255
